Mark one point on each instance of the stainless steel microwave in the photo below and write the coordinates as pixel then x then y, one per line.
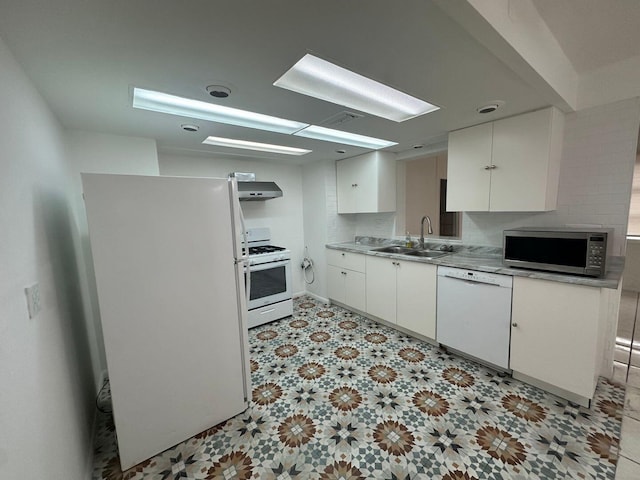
pixel 565 250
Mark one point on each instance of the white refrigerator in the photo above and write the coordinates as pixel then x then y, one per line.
pixel 169 268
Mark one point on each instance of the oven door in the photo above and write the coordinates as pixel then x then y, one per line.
pixel 270 283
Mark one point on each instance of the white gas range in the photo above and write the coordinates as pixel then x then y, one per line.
pixel 270 279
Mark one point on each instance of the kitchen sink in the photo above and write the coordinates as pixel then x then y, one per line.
pixel 426 253
pixel 394 249
pixel 410 251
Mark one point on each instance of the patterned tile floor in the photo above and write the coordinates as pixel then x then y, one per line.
pixel 337 396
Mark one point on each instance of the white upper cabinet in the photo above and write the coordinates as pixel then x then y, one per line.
pixel 468 179
pixel 509 165
pixel 367 183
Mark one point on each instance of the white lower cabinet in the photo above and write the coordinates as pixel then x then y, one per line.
pixel 416 297
pixel 555 333
pixel 346 278
pixel 403 293
pixel 381 288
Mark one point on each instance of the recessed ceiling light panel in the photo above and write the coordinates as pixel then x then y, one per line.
pixel 186 107
pixel 261 147
pixel 321 79
pixel 338 136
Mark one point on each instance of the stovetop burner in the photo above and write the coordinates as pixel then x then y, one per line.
pixel 264 249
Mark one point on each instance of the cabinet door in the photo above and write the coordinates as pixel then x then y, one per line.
pixel 416 297
pixel 346 181
pixel 355 290
pixel 335 283
pixel 554 333
pixel 348 260
pixel 367 183
pixel 366 189
pixel 521 149
pixel 381 288
pixel 468 180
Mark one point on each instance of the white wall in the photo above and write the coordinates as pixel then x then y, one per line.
pixel 46 399
pixel 315 223
pixel 283 215
pixel 91 152
pixel 596 173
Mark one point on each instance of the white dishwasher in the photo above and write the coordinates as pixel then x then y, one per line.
pixel 474 313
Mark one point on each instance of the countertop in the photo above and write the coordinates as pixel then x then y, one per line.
pixel 484 259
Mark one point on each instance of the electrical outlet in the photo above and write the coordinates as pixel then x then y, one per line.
pixel 33 299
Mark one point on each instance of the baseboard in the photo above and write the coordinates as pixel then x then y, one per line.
pixel 560 392
pixel 324 301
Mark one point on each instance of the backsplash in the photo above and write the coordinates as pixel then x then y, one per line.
pixel 375 224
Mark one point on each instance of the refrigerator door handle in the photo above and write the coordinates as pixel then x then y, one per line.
pixel 245 257
pixel 240 257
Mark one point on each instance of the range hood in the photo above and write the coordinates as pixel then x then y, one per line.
pixel 258 190
pixel 249 189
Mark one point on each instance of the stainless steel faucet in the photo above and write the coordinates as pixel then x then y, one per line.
pixel 429 229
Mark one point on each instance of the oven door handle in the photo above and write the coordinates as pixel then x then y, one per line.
pixel 267 266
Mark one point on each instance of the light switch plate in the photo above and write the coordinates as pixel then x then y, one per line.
pixel 33 299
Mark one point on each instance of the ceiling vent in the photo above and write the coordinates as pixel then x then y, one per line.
pixel 340 119
pixel 490 107
pixel 218 91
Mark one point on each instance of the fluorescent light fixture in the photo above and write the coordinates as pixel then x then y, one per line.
pixel 185 107
pixel 338 136
pixel 262 147
pixel 321 79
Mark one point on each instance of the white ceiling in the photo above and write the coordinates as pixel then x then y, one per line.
pixel 593 33
pixel 85 55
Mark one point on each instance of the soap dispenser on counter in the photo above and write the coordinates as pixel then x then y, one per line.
pixel 408 241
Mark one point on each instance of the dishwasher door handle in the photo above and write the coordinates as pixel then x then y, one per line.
pixel 471 282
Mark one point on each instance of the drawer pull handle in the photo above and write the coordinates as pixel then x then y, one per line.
pixel 514 324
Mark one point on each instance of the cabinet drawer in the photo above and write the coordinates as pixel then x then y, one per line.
pixel 348 260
